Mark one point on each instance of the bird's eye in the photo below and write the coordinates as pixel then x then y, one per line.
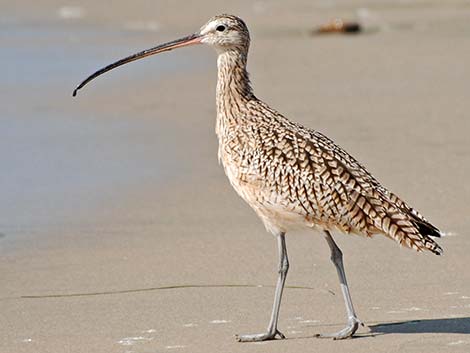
pixel 220 28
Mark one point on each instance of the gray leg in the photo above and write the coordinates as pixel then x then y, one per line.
pixel 272 331
pixel 353 322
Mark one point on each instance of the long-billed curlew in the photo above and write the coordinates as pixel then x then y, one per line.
pixel 290 175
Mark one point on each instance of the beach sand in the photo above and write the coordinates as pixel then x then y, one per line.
pixel 119 230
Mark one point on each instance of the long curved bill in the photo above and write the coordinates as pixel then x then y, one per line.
pixel 178 43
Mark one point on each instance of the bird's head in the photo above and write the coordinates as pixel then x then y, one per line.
pixel 223 32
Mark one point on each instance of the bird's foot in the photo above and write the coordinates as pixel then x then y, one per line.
pixel 347 332
pixel 267 336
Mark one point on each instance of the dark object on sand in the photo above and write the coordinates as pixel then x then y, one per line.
pixel 339 26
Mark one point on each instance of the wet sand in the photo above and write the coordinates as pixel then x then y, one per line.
pixel 120 232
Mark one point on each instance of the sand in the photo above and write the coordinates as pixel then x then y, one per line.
pixel 119 230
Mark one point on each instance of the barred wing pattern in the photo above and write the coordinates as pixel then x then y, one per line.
pixel 287 172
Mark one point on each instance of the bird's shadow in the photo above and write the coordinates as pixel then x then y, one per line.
pixel 446 325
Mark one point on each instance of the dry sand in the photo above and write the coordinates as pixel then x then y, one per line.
pixel 112 198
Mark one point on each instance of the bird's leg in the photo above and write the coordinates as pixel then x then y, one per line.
pixel 353 321
pixel 272 330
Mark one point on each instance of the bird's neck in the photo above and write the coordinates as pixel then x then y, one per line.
pixel 233 89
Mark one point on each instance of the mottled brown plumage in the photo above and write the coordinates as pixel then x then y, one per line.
pixel 294 176
pixel 290 175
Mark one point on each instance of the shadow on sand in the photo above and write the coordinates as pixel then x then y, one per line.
pixel 450 325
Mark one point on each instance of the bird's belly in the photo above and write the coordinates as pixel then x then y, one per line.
pixel 277 212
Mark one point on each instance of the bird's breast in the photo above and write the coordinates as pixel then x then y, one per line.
pixel 268 187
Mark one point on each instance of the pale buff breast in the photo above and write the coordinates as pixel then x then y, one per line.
pixel 276 212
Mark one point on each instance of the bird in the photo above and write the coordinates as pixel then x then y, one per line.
pixel 292 176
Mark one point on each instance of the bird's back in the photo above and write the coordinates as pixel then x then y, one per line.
pixel 293 176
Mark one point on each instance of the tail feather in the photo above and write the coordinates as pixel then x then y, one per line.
pixel 424 226
pixel 416 231
pixel 391 216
